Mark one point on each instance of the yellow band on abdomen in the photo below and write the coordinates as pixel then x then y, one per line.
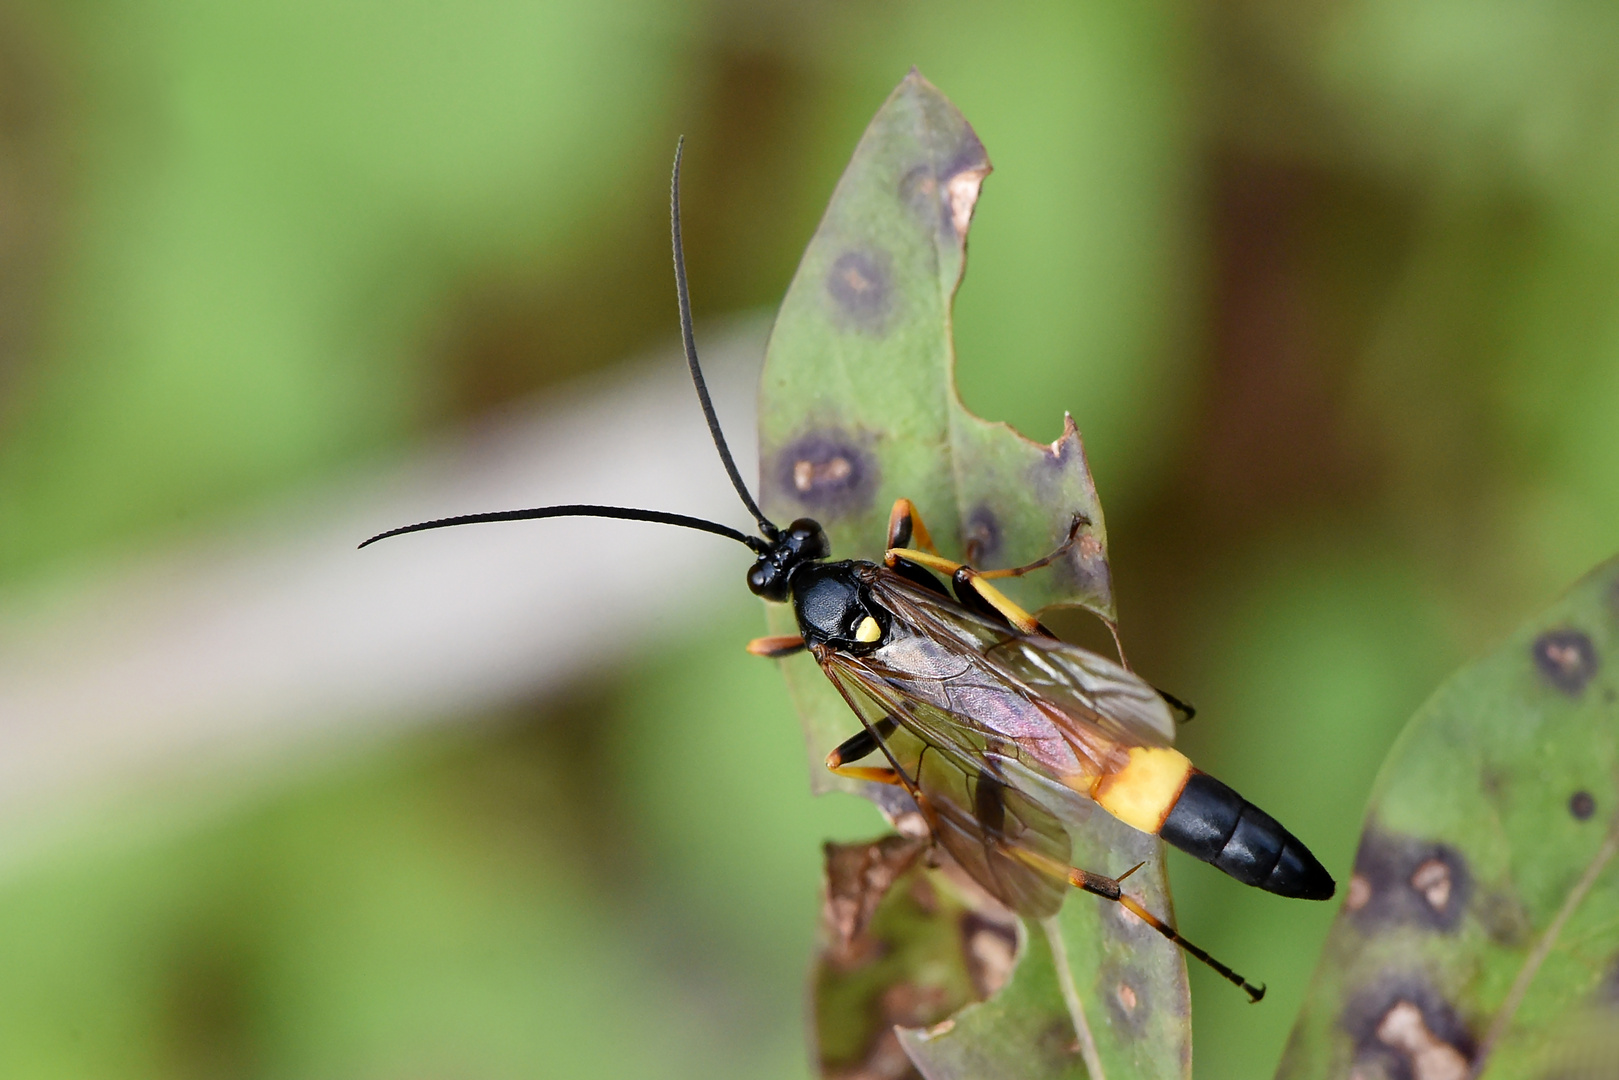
pixel 1143 792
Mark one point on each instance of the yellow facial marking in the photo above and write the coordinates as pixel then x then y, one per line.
pixel 1143 792
pixel 868 631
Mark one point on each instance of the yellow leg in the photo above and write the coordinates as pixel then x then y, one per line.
pixel 961 573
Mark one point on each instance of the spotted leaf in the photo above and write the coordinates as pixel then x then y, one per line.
pixel 857 408
pixel 1479 933
pixel 858 405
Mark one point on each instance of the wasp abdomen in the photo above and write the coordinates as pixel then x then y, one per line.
pixel 1209 821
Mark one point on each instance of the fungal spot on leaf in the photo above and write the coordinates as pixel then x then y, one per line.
pixel 1404 1028
pixel 826 472
pixel 1432 880
pixel 962 178
pixel 1128 1006
pixel 860 286
pixel 1406 1031
pixel 947 193
pixel 1126 928
pixel 1055 1049
pixel 982 536
pixel 1566 658
pixel 961 195
pixel 1360 891
pixel 807 475
pixel 1408 881
pixel 1582 805
pixel 1126 996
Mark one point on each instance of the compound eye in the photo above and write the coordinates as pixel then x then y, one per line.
pixel 765 580
pixel 867 631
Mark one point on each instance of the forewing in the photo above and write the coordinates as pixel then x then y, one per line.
pixel 1090 687
pixel 1006 841
pixel 1096 702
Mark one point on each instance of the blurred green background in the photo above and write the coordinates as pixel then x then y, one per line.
pixel 1329 288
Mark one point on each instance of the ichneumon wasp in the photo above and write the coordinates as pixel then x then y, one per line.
pixel 997 730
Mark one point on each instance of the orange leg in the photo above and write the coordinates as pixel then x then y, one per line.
pixel 1112 889
pixel 879 774
pixel 775 646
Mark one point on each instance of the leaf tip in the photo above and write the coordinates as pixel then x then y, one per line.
pixel 1069 436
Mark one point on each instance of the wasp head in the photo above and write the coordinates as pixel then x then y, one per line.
pixel 801 542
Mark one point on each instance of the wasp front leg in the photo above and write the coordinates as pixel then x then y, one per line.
pixel 777 645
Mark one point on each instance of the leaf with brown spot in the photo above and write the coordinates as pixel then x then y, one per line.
pixel 858 404
pixel 858 407
pixel 1481 927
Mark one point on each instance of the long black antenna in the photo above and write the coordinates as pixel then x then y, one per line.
pixel 623 513
pixel 685 521
pixel 766 526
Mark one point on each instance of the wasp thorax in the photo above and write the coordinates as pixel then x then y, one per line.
pixel 833 609
pixel 804 541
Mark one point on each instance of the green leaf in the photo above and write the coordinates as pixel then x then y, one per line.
pixel 857 401
pixel 1479 935
pixel 857 408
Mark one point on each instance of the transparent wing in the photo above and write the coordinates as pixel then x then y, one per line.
pixel 1015 848
pixel 1097 703
pixel 1088 686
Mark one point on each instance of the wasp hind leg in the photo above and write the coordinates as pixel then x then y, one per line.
pixel 1111 889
